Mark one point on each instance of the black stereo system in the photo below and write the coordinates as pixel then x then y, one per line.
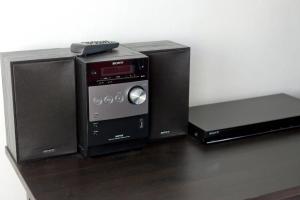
pixel 58 102
pixel 112 101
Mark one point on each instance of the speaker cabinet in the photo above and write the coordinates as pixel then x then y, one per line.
pixel 39 103
pixel 169 65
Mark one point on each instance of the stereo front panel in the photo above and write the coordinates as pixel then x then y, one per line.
pixel 118 130
pixel 112 101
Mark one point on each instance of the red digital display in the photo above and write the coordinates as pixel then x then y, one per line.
pixel 117 70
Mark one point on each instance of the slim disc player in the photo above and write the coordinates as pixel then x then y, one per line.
pixel 242 118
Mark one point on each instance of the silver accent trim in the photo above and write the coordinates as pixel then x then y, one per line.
pixel 116 103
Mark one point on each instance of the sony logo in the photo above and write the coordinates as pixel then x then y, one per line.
pixel 119 136
pixel 214 133
pixel 165 132
pixel 49 151
pixel 118 63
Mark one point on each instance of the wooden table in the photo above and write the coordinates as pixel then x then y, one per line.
pixel 176 169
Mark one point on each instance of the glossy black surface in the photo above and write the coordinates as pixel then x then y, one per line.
pixel 118 71
pixel 102 132
pixel 244 112
pixel 176 169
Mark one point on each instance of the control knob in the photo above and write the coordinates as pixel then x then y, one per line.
pixel 137 95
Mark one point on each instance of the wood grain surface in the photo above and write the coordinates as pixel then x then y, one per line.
pixel 177 169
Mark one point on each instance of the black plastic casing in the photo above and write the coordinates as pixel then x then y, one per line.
pixel 243 118
pixel 91 145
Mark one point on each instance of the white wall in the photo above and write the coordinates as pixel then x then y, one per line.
pixel 240 48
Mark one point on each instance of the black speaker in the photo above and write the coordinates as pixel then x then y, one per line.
pixel 39 103
pixel 169 65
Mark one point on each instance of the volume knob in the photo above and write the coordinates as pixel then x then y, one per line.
pixel 137 95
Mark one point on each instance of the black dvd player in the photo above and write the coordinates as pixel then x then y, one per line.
pixel 242 118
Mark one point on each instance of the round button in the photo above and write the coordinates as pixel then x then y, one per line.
pixel 119 97
pixel 137 95
pixel 108 99
pixel 97 101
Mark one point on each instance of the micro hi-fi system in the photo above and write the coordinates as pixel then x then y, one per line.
pixel 112 91
pixel 96 97
pixel 102 97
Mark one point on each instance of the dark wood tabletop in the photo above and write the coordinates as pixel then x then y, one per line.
pixel 174 169
pixel 287 194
